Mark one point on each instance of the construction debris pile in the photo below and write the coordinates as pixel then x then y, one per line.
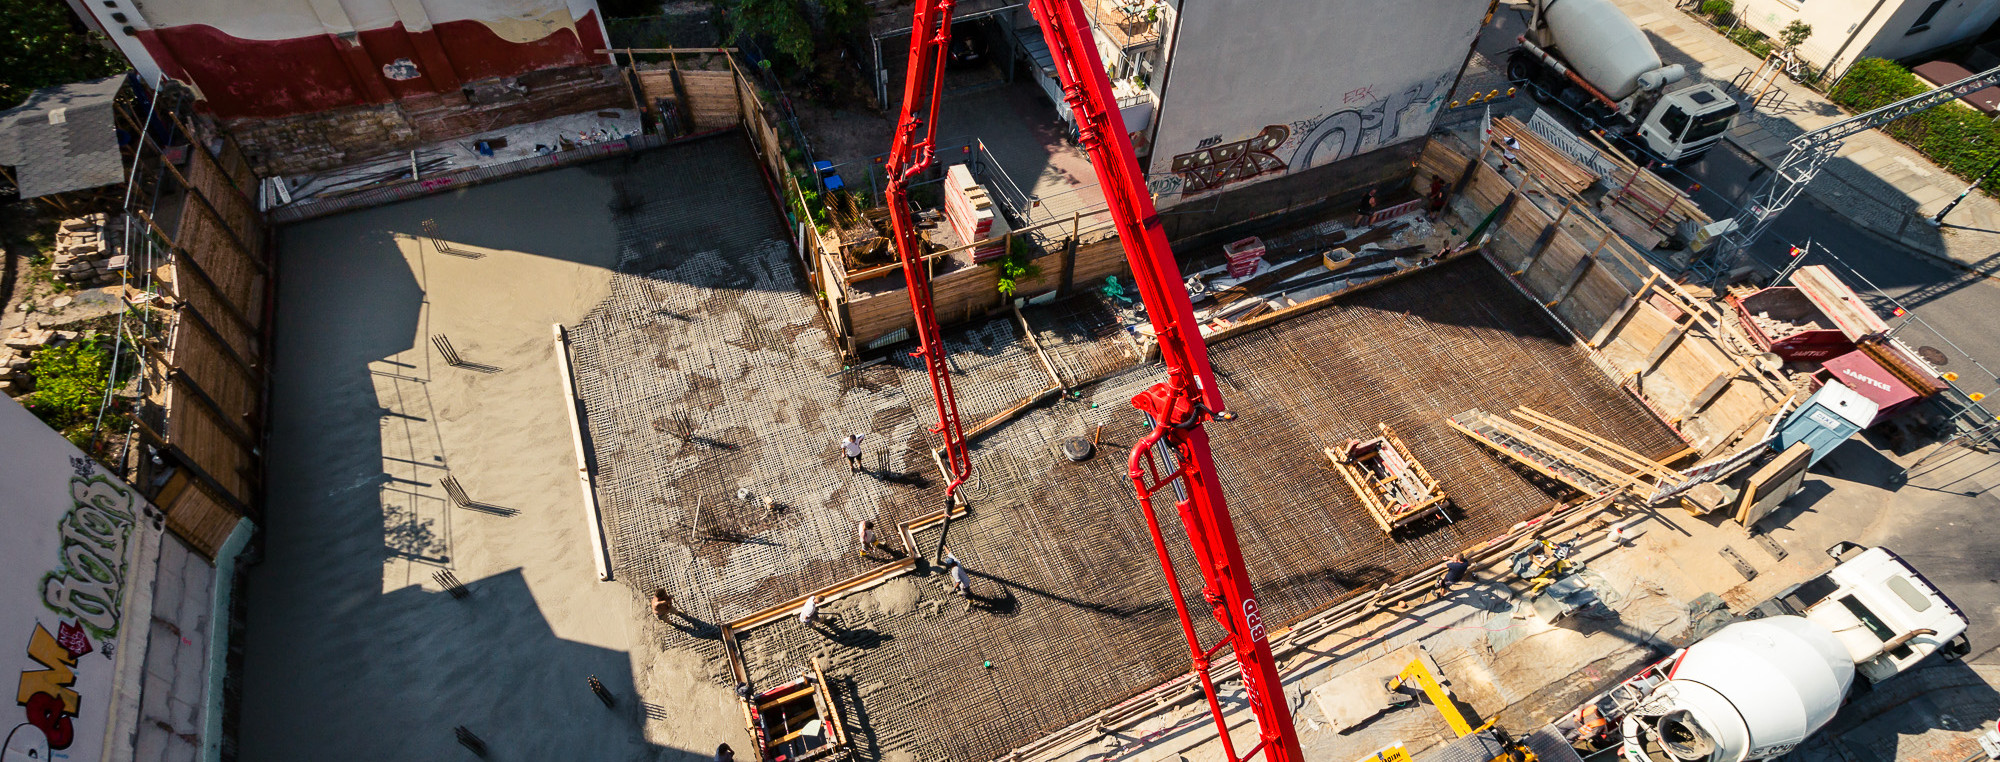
pixel 1314 263
pixel 88 250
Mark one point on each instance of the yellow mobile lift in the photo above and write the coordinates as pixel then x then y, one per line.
pixel 1475 744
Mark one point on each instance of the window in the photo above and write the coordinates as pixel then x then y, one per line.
pixel 1924 21
pixel 1674 121
pixel 1908 592
pixel 1875 625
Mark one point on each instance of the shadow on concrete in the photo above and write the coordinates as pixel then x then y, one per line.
pixel 490 663
pixel 1899 719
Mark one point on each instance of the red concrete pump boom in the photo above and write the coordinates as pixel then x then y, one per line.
pixel 1176 453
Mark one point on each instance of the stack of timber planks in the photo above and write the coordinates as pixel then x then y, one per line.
pixel 1543 159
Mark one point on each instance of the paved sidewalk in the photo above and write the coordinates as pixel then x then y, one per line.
pixel 1875 180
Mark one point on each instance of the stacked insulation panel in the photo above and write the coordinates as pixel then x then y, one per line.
pixel 972 213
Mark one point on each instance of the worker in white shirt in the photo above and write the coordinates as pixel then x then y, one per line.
pixel 960 582
pixel 851 447
pixel 810 611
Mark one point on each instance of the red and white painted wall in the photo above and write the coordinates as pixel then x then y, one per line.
pixel 276 58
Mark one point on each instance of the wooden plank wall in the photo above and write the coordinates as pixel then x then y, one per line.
pixel 213 369
pixel 970 292
pixel 195 515
pixel 1640 327
pixel 711 99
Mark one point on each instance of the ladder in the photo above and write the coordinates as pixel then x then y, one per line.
pixel 1574 469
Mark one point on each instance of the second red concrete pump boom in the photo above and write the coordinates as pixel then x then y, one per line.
pixel 1175 454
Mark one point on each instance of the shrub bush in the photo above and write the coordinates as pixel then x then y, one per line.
pixel 69 383
pixel 1717 7
pixel 1751 40
pixel 1956 137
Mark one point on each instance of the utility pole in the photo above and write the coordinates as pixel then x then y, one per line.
pixel 1938 221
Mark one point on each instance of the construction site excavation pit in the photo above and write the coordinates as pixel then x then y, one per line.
pixel 714 403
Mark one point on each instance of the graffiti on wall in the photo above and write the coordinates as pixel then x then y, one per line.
pixel 1215 164
pixel 1368 118
pixel 85 591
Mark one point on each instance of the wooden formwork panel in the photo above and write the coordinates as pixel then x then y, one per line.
pixel 1593 299
pixel 195 429
pixel 1628 348
pixel 712 99
pixel 203 358
pixel 214 308
pixel 230 202
pixel 234 271
pixel 196 516
pixel 972 291
pixel 655 84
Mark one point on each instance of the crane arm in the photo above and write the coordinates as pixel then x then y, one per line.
pixel 1176 452
pixel 1845 128
pixel 1813 150
pixel 912 151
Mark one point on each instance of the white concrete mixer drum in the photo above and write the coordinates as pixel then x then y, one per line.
pixel 1753 690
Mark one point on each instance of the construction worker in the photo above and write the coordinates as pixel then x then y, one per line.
pixel 960 582
pixel 867 537
pixel 810 611
pixel 1455 567
pixel 1436 197
pixel 851 447
pixel 663 605
pixel 1368 204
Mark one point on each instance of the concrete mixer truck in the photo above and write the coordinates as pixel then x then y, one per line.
pixel 1757 688
pixel 1589 56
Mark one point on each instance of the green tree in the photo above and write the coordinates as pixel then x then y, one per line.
pixel 786 24
pixel 1793 35
pixel 46 45
pixel 780 20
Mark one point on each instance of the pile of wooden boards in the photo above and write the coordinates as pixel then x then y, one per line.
pixel 1645 208
pixel 1593 466
pixel 1543 159
pixel 972 213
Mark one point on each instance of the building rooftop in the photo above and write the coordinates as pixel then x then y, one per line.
pixel 64 138
pixel 1941 73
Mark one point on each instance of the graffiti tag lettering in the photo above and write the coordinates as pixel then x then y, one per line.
pixel 89 584
pixel 1208 168
pixel 1349 132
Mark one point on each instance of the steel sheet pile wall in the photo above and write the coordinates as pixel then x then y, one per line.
pixel 1649 335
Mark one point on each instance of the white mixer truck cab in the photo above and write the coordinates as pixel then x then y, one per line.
pixel 1882 610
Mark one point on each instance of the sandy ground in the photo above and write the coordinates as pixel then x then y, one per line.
pixel 352 650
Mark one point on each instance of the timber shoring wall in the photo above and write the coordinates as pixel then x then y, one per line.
pixel 1643 330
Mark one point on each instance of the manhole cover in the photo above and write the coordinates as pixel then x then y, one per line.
pixel 1932 355
pixel 1077 449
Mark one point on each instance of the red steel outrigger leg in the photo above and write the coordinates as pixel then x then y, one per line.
pixel 1176 453
pixel 914 150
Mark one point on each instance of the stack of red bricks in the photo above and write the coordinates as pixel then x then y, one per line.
pixel 972 214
